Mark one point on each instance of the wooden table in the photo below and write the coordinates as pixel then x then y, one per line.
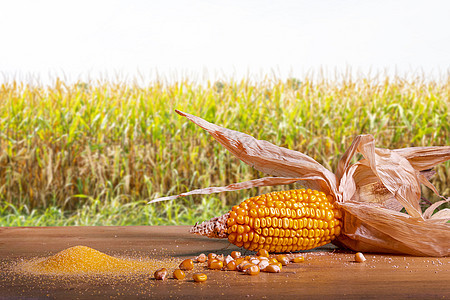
pixel 326 272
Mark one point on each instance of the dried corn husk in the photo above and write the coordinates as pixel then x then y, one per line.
pixel 370 192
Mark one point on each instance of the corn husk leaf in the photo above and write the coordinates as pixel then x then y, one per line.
pixel 369 228
pixel 424 158
pixel 370 192
pixel 265 181
pixel 441 216
pixel 389 168
pixel 267 157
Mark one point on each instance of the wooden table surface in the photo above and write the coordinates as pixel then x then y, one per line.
pixel 326 273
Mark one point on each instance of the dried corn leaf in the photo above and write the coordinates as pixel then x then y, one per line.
pixel 369 228
pixel 265 181
pixel 424 158
pixel 266 157
pixel 370 192
pixel 442 215
pixel 393 171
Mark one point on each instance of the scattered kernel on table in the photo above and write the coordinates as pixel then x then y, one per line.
pixel 283 259
pixel 255 260
pixel 161 274
pixel 187 265
pixel 201 258
pixel 220 257
pixel 359 257
pixel 298 259
pixel 199 277
pixel 246 266
pixel 215 264
pixel 210 261
pixel 273 260
pixel 228 259
pixel 250 265
pixel 241 265
pixel 231 265
pixel 263 263
pixel 272 269
pixel 252 270
pixel 239 260
pixel 278 264
pixel 235 254
pixel 179 274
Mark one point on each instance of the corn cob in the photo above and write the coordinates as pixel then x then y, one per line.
pixel 278 222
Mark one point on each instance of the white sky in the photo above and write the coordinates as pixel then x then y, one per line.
pixel 226 38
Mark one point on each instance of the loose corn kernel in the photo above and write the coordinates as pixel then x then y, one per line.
pixel 239 260
pixel 178 274
pixel 215 264
pixel 161 274
pixel 272 269
pixel 241 266
pixel 187 265
pixel 298 259
pixel 211 256
pixel 283 259
pixel 235 254
pixel 227 259
pixel 231 265
pixel 254 260
pixel 273 260
pixel 359 257
pixel 263 264
pixel 246 266
pixel 278 264
pixel 252 270
pixel 220 257
pixel 284 221
pixel 201 258
pixel 209 261
pixel 199 277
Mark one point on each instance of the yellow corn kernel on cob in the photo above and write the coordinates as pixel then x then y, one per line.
pixel 278 222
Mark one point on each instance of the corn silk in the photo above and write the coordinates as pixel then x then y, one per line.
pixel 370 192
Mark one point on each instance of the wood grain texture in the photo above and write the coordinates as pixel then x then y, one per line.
pixel 326 272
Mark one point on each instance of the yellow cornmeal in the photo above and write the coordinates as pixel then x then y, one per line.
pixel 82 260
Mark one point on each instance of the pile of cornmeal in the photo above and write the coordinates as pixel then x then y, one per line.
pixel 82 260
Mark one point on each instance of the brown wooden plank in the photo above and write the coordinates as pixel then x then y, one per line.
pixel 325 273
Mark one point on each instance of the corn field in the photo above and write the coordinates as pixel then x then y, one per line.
pixel 63 143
